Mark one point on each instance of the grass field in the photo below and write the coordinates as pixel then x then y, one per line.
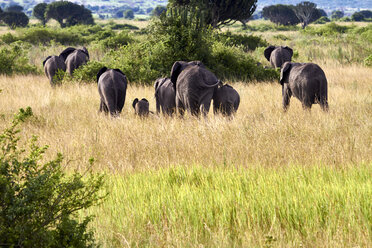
pixel 265 178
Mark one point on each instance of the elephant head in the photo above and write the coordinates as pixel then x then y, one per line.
pixel 85 50
pixel 141 107
pixel 278 55
pixel 64 54
pixel 179 66
pixel 45 60
pixel 284 72
pixel 100 72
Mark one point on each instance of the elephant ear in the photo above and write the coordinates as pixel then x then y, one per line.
pixel 177 68
pixel 64 54
pixel 100 72
pixel 289 50
pixel 134 102
pixel 118 70
pixel 285 70
pixel 85 50
pixel 268 52
pixel 46 60
pixel 144 99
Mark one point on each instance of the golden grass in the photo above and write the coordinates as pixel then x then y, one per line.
pixel 261 134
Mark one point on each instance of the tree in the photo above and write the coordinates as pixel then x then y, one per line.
pixel 305 12
pixel 128 14
pixel 337 14
pixel 357 17
pixel 158 10
pixel 14 8
pixel 68 14
pixel 280 14
pixel 38 201
pixel 220 12
pixel 39 12
pixel 14 19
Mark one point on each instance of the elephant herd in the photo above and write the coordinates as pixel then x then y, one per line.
pixel 192 87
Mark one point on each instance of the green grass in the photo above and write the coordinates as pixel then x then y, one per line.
pixel 228 207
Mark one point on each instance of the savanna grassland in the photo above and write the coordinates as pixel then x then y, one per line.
pixel 263 179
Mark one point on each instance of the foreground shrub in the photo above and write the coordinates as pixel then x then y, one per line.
pixel 368 61
pixel 87 73
pixel 246 42
pixel 38 201
pixel 328 29
pixel 13 59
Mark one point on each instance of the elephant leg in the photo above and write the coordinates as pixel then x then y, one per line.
pixel 306 103
pixel 286 93
pixel 158 106
pixel 103 107
pixel 324 104
pixel 180 107
pixel 204 108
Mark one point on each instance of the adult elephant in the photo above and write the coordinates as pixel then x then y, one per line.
pixel 51 66
pixel 112 88
pixel 165 96
pixel 74 58
pixel 194 85
pixel 278 55
pixel 305 81
pixel 226 100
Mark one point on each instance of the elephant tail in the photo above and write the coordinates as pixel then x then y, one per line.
pixel 212 85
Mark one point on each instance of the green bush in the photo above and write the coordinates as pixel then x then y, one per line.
pixel 246 42
pixel 117 40
pixel 87 73
pixel 322 20
pixel 264 27
pixel 327 30
pixel 38 201
pixel 368 61
pixel 13 59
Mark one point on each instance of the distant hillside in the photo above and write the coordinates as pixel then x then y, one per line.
pixel 108 8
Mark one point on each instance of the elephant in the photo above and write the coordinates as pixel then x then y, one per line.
pixel 112 88
pixel 165 96
pixel 226 100
pixel 141 108
pixel 278 55
pixel 51 66
pixel 307 82
pixel 194 85
pixel 74 58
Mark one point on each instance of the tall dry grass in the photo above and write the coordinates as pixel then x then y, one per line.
pixel 66 118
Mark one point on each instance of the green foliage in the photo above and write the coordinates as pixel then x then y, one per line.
pixel 327 30
pixel 158 10
pixel 264 27
pixel 14 59
pixel 128 14
pixel 87 73
pixel 246 42
pixel 14 19
pixel 337 15
pixel 220 12
pixel 368 61
pixel 38 201
pixel 116 41
pixel 357 17
pixel 39 12
pixel 322 20
pixel 280 14
pixel 14 8
pixel 68 13
pixel 306 12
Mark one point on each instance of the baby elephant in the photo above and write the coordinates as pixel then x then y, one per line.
pixel 307 82
pixel 278 55
pixel 141 108
pixel 226 100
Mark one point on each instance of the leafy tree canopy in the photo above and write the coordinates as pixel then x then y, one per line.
pixel 39 12
pixel 220 12
pixel 158 10
pixel 337 14
pixel 14 19
pixel 128 14
pixel 280 14
pixel 306 12
pixel 14 8
pixel 68 14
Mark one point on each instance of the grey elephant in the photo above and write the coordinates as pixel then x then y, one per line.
pixel 194 85
pixel 165 96
pixel 141 107
pixel 226 100
pixel 305 81
pixel 112 88
pixel 278 55
pixel 51 66
pixel 74 58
